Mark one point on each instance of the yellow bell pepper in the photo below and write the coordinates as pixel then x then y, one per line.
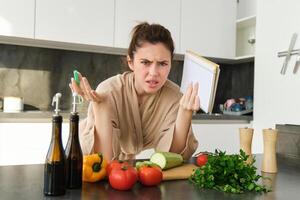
pixel 94 167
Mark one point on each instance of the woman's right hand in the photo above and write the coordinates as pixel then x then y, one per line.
pixel 84 89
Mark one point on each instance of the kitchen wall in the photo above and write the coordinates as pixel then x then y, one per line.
pixel 38 73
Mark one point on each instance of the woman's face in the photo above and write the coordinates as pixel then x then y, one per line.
pixel 151 66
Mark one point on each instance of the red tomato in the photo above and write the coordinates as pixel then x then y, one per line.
pixel 201 160
pixel 123 178
pixel 150 175
pixel 115 164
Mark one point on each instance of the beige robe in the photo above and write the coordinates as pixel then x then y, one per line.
pixel 136 128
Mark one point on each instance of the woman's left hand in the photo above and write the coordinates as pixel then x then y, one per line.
pixel 189 103
pixel 190 100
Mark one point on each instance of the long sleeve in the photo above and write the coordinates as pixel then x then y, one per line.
pixel 86 132
pixel 87 126
pixel 166 135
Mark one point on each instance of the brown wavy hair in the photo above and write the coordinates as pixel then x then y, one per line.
pixel 152 33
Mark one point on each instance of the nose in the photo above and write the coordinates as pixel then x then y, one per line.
pixel 153 71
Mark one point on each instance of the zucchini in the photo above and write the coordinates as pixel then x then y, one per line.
pixel 166 160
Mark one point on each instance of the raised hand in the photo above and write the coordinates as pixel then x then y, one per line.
pixel 84 89
pixel 190 100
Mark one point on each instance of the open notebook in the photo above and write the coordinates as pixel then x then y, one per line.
pixel 198 69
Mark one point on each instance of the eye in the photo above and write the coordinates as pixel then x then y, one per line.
pixel 145 62
pixel 163 64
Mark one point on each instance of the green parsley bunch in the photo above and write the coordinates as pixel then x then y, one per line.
pixel 228 173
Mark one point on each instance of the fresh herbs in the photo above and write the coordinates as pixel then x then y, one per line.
pixel 228 173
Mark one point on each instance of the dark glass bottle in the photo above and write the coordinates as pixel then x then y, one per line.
pixel 54 171
pixel 73 155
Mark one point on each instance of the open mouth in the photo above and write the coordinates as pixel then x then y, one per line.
pixel 152 83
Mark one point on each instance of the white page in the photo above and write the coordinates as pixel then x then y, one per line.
pixel 197 70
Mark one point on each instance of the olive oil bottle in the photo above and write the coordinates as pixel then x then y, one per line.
pixel 54 169
pixel 73 150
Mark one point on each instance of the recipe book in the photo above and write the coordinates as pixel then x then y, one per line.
pixel 199 69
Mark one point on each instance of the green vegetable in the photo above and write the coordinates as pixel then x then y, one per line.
pixel 166 160
pixel 228 173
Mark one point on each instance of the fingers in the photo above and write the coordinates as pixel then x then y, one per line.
pixel 84 89
pixel 190 100
pixel 188 93
pixel 197 104
pixel 186 96
pixel 75 88
pixel 86 84
pixel 193 96
pixel 70 86
pixel 196 86
pixel 79 75
pixel 91 94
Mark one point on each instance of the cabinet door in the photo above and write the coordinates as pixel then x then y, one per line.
pixel 75 21
pixel 17 18
pixel 246 8
pixel 208 27
pixel 130 12
pixel 27 143
pixel 224 137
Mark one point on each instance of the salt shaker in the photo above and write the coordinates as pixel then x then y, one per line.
pixel 246 135
pixel 269 164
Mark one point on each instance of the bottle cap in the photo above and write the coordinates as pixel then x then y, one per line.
pixel 77 99
pixel 56 101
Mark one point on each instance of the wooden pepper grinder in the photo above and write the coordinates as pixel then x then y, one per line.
pixel 269 164
pixel 246 135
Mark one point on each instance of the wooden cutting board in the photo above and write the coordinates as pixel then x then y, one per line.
pixel 181 172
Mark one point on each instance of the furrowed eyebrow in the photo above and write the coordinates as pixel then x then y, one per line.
pixel 160 62
pixel 144 59
pixel 163 62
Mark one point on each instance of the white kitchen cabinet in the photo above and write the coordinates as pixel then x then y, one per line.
pixel 208 27
pixel 246 8
pixel 17 18
pixel 246 28
pixel 130 12
pixel 245 37
pixel 219 136
pixel 75 21
pixel 27 143
pixel 211 136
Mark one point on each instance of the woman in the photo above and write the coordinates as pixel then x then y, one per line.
pixel 140 109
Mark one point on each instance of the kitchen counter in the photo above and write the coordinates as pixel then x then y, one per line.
pixel 221 119
pixel 26 182
pixel 45 116
pixel 31 117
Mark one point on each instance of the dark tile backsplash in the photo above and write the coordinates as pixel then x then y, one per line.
pixel 38 73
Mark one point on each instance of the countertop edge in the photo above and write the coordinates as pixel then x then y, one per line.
pixel 46 116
